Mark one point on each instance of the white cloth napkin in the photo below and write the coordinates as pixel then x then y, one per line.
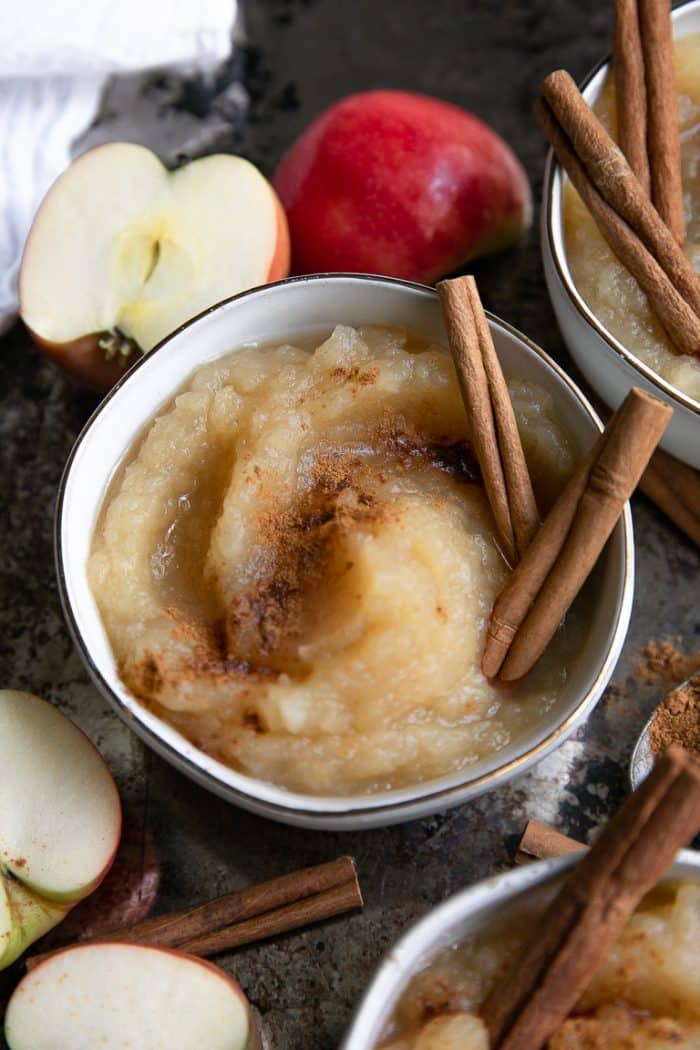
pixel 55 58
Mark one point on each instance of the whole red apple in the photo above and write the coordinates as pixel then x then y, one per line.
pixel 400 184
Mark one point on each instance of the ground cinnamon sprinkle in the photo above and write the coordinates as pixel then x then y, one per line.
pixel 677 720
pixel 665 663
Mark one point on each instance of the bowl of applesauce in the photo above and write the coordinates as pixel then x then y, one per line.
pixel 277 559
pixel 427 993
pixel 603 315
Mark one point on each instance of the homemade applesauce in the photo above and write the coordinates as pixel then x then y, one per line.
pixel 296 565
pixel 609 290
pixel 644 996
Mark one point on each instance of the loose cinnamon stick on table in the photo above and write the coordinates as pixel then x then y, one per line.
pixel 663 135
pixel 587 915
pixel 251 914
pixel 540 842
pixel 630 90
pixel 528 611
pixel 494 431
pixel 675 488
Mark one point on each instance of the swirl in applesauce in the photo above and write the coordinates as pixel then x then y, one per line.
pixel 296 566
pixel 645 995
pixel 609 290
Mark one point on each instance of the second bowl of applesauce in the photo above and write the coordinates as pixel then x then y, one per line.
pixel 291 565
pixel 644 995
pixel 604 316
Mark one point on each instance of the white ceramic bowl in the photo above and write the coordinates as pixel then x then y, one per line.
pixel 609 366
pixel 274 313
pixel 462 916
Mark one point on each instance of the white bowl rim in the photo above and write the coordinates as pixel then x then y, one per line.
pixel 398 964
pixel 553 171
pixel 343 810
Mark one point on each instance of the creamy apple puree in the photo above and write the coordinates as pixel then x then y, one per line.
pixel 644 996
pixel 609 290
pixel 296 566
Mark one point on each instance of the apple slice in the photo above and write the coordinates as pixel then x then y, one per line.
pixel 60 819
pixel 24 917
pixel 123 251
pixel 128 995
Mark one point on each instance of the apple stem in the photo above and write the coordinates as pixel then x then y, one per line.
pixel 118 345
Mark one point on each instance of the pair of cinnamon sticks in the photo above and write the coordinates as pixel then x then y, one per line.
pixel 542 587
pixel 494 431
pixel 647 108
pixel 634 194
pixel 245 916
pixel 555 558
pixel 589 912
pixel 675 489
pixel 622 210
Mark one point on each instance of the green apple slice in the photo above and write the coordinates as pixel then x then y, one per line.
pixel 60 815
pixel 113 996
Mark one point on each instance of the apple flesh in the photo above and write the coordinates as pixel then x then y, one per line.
pixel 122 251
pixel 399 184
pixel 128 995
pixel 125 896
pixel 60 819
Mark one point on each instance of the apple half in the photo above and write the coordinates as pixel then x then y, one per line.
pixel 122 251
pixel 128 995
pixel 60 819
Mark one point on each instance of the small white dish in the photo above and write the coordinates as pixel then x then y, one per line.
pixel 459 917
pixel 275 313
pixel 609 366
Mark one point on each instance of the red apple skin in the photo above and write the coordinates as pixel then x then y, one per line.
pixel 399 184
pixel 84 361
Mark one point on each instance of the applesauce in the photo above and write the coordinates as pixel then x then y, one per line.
pixel 609 290
pixel 296 566
pixel 644 996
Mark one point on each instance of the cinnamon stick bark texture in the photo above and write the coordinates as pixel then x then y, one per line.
pixel 540 842
pixel 246 915
pixel 493 427
pixel 588 914
pixel 630 90
pixel 325 905
pixel 663 134
pixel 528 611
pixel 677 314
pixel 613 178
pixel 675 488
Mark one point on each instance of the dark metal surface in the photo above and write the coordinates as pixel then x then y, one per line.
pixel 301 55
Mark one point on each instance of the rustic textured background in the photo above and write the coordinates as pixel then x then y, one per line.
pixel 301 55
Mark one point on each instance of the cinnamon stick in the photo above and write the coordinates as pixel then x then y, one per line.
pixel 678 319
pixel 630 90
pixel 663 134
pixel 540 842
pixel 246 915
pixel 613 178
pixel 494 430
pixel 528 611
pixel 675 488
pixel 334 901
pixel 588 914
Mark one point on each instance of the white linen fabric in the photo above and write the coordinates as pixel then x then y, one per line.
pixel 55 58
